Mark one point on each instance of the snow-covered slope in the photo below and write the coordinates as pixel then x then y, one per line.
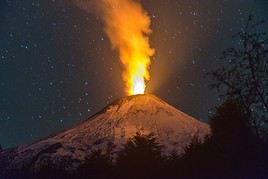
pixel 108 130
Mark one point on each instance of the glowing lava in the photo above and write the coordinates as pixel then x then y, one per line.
pixel 138 87
pixel 128 27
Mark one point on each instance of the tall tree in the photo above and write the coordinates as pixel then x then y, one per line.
pixel 245 77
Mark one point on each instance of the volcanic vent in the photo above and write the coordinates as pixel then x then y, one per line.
pixel 109 129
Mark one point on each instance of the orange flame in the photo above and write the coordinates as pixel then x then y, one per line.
pixel 128 27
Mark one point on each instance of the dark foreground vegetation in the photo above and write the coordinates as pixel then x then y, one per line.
pixel 237 147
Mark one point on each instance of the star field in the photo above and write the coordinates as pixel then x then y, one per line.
pixel 57 67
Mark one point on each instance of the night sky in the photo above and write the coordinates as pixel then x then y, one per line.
pixel 57 67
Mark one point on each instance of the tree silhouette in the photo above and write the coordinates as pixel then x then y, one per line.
pixel 237 149
pixel 230 123
pixel 97 165
pixel 140 157
pixel 245 77
pixel 232 150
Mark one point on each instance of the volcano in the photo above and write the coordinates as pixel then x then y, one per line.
pixel 108 130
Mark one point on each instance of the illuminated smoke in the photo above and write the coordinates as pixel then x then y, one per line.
pixel 127 25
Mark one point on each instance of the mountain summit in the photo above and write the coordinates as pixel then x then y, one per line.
pixel 108 130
